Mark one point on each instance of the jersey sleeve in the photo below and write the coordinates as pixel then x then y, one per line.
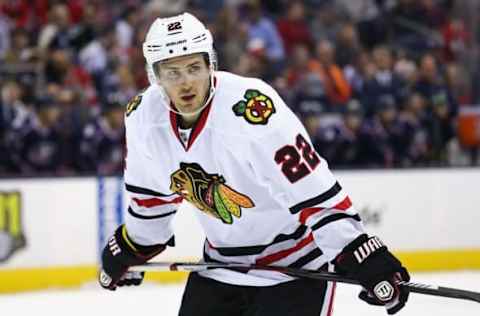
pixel 284 160
pixel 149 215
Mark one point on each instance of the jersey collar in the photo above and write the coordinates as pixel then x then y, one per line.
pixel 196 129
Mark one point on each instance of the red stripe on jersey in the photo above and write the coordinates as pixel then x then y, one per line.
pixel 307 212
pixel 284 253
pixel 156 202
pixel 332 297
pixel 344 205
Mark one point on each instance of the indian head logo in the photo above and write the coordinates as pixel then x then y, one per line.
pixel 208 192
pixel 257 108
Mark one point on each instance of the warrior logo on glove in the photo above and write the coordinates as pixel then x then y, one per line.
pixel 208 192
pixel 384 291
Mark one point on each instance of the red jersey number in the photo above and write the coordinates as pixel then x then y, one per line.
pixel 297 161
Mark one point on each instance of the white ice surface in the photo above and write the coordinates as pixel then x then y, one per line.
pixel 161 300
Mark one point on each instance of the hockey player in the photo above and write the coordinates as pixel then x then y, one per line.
pixel 232 148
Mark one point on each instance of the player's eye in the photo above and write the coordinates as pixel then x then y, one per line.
pixel 172 74
pixel 194 69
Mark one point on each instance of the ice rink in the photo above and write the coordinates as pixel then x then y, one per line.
pixel 161 300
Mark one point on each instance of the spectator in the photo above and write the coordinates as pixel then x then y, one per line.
pixel 263 33
pixel 456 79
pixel 431 84
pixel 125 27
pixel 14 117
pixel 97 58
pixel 254 62
pixel 384 81
pixel 20 51
pixel 310 101
pixel 456 40
pixel 120 86
pixel 412 138
pixel 405 68
pixel 13 111
pixel 440 130
pixel 60 71
pixel 347 45
pixel 337 88
pixel 102 142
pixel 376 141
pixel 370 17
pixel 339 142
pixel 5 29
pixel 40 149
pixel 362 70
pixel 84 31
pixel 324 24
pixel 299 66
pixel 230 37
pixel 293 28
pixel 56 34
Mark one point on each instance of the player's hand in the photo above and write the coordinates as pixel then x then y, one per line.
pixel 128 278
pixel 378 271
pixel 119 254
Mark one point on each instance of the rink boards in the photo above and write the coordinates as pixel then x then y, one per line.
pixel 52 230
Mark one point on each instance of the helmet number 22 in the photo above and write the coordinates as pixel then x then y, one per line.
pixel 297 161
pixel 174 26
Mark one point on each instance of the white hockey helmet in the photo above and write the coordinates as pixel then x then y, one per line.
pixel 176 36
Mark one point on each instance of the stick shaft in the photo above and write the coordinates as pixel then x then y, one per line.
pixel 318 275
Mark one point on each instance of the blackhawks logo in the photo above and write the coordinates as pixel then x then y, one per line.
pixel 208 192
pixel 257 108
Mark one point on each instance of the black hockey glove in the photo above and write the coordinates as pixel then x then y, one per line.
pixel 378 271
pixel 118 255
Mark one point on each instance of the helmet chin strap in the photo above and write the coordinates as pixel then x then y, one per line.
pixel 211 93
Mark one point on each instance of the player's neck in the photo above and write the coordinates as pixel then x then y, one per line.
pixel 187 121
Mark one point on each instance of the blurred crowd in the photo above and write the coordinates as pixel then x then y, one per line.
pixel 377 83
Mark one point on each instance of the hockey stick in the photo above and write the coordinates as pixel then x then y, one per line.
pixel 318 275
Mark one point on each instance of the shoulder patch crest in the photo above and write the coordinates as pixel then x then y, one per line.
pixel 256 108
pixel 133 104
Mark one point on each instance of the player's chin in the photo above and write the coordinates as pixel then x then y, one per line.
pixel 189 108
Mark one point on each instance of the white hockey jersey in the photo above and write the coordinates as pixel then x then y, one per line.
pixel 264 196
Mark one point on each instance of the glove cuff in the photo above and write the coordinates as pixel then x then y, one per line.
pixel 360 250
pixel 128 252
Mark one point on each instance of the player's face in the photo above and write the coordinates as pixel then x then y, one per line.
pixel 186 80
